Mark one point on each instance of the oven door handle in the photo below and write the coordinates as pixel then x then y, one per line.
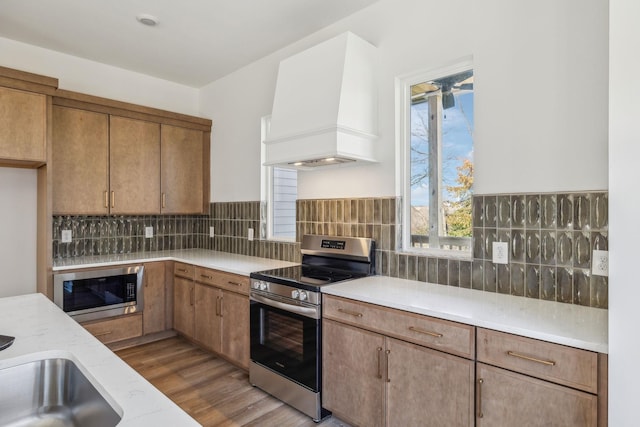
pixel 311 312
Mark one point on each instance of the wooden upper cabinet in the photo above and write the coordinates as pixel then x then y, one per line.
pixel 134 154
pixel 182 169
pixel 116 158
pixel 80 162
pixel 23 128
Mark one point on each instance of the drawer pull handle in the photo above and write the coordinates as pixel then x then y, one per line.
pixel 349 312
pixel 106 199
pixel 234 283
pixel 379 376
pixel 113 199
pixel 204 276
pixel 164 200
pixel 480 414
pixel 422 331
pixel 182 270
pixel 101 334
pixel 531 359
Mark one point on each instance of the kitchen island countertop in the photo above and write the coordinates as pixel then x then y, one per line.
pixel 43 331
pixel 567 324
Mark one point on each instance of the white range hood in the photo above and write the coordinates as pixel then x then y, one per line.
pixel 325 106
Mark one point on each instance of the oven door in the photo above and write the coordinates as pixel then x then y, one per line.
pixel 285 338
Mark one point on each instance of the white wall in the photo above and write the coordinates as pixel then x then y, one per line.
pixel 541 96
pixel 624 206
pixel 94 78
pixel 17 231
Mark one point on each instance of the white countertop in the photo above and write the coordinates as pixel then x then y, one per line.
pixel 224 261
pixel 44 331
pixel 567 324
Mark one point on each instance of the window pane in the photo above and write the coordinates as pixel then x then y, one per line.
pixel 283 203
pixel 441 162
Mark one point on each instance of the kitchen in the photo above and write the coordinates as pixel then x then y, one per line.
pixel 511 44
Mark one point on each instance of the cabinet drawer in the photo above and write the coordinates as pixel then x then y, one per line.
pixel 451 337
pixel 117 329
pixel 223 280
pixel 552 362
pixel 184 270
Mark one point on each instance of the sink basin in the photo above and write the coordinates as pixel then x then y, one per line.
pixel 51 393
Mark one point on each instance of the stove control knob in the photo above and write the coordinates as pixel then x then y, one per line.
pixel 264 286
pixel 303 295
pixel 295 294
pixel 256 285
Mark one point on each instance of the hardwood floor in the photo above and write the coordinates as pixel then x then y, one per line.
pixel 211 390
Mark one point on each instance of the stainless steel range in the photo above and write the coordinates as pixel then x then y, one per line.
pixel 286 312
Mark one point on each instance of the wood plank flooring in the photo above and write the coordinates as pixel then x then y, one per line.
pixel 211 390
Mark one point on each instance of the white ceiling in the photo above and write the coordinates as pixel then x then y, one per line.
pixel 194 43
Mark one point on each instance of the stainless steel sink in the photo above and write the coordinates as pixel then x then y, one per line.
pixel 51 393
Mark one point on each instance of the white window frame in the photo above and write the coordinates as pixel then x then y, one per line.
pixel 266 190
pixel 403 151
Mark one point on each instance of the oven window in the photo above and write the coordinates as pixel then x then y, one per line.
pixel 283 334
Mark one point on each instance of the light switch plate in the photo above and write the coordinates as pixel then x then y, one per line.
pixel 500 252
pixel 66 236
pixel 600 263
pixel 148 232
pixel 250 234
pixel 212 232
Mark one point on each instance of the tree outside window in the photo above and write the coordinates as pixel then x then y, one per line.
pixel 440 163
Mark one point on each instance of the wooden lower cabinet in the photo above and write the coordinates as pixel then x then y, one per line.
pixel 352 373
pixel 206 311
pixel 506 398
pixel 184 306
pixel 116 328
pixel 373 380
pixel 235 328
pixel 222 322
pixel 153 314
pixel 208 323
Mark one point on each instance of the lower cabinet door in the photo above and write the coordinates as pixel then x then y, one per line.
pixel 235 328
pixel 353 367
pixel 208 303
pixel 183 306
pixel 153 314
pixel 505 398
pixel 427 387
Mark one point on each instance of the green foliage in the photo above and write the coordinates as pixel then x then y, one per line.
pixel 459 218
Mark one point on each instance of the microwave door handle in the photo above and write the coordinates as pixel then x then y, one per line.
pixel 311 312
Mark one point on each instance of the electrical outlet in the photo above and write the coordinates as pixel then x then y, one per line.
pixel 500 252
pixel 148 232
pixel 250 234
pixel 600 263
pixel 212 232
pixel 66 236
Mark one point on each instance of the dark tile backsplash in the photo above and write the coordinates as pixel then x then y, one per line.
pixel 111 235
pixel 550 239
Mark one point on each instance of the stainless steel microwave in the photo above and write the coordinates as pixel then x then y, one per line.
pixel 96 294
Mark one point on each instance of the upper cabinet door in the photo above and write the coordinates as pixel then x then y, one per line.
pixel 23 120
pixel 80 162
pixel 182 168
pixel 134 166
